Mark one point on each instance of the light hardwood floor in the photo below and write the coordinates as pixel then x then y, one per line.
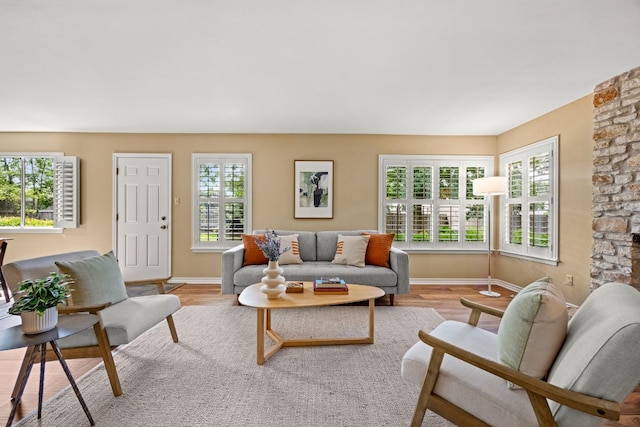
pixel 443 298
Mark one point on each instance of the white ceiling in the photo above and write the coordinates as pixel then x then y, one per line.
pixel 435 67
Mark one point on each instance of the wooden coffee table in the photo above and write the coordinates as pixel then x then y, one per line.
pixel 252 297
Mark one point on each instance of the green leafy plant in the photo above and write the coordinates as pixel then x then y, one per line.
pixel 40 294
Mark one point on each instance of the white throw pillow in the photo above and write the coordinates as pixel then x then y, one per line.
pixel 533 329
pixel 351 250
pixel 292 256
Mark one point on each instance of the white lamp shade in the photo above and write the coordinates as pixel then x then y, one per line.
pixel 490 186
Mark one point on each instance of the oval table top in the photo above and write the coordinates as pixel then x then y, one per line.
pixel 252 297
pixel 13 337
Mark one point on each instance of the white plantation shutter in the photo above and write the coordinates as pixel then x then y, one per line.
pixel 66 192
pixel 427 201
pixel 529 225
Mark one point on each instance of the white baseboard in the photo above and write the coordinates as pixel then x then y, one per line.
pixel 455 282
pixel 418 282
pixel 196 280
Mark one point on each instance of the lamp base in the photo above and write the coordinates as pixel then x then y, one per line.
pixel 490 294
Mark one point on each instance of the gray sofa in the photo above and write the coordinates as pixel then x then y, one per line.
pixel 317 250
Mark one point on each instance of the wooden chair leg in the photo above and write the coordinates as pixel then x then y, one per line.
pixel 429 383
pixel 107 357
pixel 172 328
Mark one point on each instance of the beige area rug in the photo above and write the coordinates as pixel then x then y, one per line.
pixel 210 378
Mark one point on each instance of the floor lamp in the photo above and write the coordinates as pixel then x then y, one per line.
pixel 489 187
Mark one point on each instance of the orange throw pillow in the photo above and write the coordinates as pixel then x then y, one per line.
pixel 252 253
pixel 378 249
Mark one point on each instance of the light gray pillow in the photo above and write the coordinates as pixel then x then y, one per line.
pixel 98 280
pixel 533 329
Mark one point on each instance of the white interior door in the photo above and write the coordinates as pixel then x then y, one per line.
pixel 143 215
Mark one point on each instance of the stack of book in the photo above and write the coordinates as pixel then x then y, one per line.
pixel 330 286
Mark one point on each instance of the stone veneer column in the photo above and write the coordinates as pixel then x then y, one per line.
pixel 616 181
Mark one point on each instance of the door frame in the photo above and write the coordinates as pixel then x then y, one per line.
pixel 114 221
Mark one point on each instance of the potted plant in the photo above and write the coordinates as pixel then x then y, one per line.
pixel 37 301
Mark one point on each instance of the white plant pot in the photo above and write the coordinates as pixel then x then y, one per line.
pixel 34 324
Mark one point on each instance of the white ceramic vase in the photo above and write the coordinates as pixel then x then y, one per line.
pixel 273 282
pixel 34 324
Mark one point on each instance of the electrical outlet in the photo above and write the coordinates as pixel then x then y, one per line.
pixel 568 280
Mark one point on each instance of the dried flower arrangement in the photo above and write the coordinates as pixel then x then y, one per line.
pixel 270 245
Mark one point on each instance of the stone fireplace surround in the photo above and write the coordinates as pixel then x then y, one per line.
pixel 616 181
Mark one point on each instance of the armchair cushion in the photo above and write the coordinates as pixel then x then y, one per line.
pixel 98 280
pixel 533 329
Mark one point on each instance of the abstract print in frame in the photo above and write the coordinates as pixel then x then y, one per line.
pixel 313 189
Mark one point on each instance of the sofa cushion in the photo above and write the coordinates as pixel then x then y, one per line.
pixel 97 280
pixel 306 242
pixel 309 271
pixel 533 329
pixel 252 253
pixel 291 256
pixel 351 250
pixel 327 242
pixel 378 249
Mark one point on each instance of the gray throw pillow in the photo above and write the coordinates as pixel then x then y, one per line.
pixel 533 329
pixel 98 280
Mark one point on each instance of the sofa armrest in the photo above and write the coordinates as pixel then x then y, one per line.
pixel 232 260
pixel 399 263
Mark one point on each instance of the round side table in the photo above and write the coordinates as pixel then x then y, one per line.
pixel 13 337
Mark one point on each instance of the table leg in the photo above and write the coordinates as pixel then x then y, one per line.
pixel 67 372
pixel 43 362
pixel 260 336
pixel 31 358
pixel 372 306
pixel 23 370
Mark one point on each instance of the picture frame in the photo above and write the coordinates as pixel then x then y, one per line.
pixel 313 186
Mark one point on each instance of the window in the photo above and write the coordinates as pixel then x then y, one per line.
pixel 528 226
pixel 38 192
pixel 221 201
pixel 428 201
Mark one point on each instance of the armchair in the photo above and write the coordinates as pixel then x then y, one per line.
pixel 99 289
pixel 461 379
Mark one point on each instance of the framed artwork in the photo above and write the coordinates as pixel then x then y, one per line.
pixel 313 189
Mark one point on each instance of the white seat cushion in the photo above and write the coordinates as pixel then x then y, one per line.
pixel 468 387
pixel 127 319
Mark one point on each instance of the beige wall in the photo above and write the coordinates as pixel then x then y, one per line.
pixel 574 124
pixel 356 199
pixel 355 204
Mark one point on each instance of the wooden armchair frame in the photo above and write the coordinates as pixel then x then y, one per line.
pixel 103 349
pixel 537 390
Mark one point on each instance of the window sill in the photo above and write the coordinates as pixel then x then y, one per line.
pixel 12 230
pixel 547 261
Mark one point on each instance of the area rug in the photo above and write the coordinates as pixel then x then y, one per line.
pixel 210 378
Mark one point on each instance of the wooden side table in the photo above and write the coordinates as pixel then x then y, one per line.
pixel 13 337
